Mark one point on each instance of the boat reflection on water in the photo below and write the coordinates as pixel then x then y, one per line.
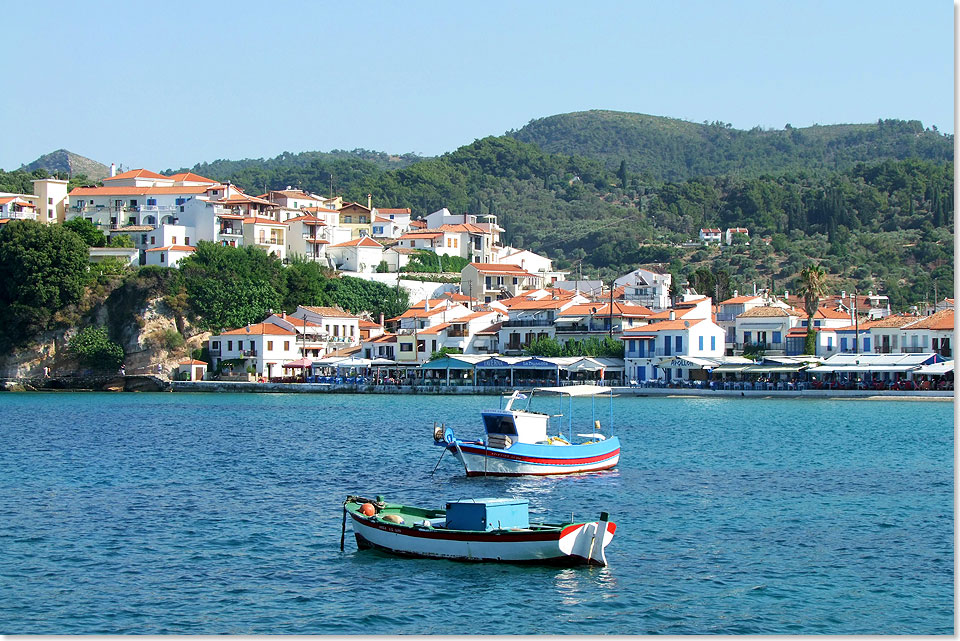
pixel 578 586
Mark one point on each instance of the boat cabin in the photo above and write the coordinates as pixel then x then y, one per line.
pixel 484 515
pixel 519 426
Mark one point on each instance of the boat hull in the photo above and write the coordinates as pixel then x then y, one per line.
pixel 575 544
pixel 523 459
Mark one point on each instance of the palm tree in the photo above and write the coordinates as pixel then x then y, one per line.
pixel 812 286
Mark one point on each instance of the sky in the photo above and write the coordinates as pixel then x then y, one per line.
pixel 167 85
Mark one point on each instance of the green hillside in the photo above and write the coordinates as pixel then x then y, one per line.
pixel 670 149
pixel 883 225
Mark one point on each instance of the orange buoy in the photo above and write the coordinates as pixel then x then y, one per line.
pixel 368 509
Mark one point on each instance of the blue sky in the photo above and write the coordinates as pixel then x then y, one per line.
pixel 169 84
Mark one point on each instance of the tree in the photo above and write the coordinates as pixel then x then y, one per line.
pixel 92 236
pixel 43 268
pixel 812 286
pixel 622 174
pixel 93 348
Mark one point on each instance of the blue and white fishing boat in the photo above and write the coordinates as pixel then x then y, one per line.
pixel 519 442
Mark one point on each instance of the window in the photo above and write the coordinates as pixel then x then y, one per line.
pixel 455 243
pixel 713 343
pixel 866 343
pixel 679 344
pixel 143 239
pixel 270 345
pixel 746 337
pixel 406 347
pixel 230 345
pixel 162 259
pixel 777 337
pixel 151 202
pixel 515 280
pixel 133 202
pixel 173 240
pixel 843 344
pixel 215 345
pixel 829 342
pixel 49 201
pixel 666 346
pixel 286 346
pixel 153 240
pixel 449 242
pixel 700 343
pixel 186 241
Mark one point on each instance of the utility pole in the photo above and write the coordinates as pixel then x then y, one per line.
pixel 856 324
pixel 611 309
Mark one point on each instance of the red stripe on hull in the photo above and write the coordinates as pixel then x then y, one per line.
pixel 545 461
pixel 546 472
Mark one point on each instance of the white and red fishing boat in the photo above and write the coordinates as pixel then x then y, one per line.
pixel 519 441
pixel 476 530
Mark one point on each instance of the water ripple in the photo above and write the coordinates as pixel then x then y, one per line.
pixel 221 514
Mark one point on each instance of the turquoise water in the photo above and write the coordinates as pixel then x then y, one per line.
pixel 220 513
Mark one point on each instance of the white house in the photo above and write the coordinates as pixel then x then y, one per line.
pixel 360 255
pixel 930 334
pixel 710 235
pixel 671 350
pixel 168 255
pixel 397 257
pixel 308 236
pixel 335 328
pixel 765 327
pixel 16 207
pixel 734 231
pixel 648 285
pixel 490 281
pixel 422 315
pixel 265 347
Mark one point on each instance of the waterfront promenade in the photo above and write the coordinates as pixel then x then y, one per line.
pixel 146 383
pixel 222 386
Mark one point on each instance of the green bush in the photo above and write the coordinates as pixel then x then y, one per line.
pixel 93 348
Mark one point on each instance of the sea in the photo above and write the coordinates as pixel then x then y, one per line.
pixel 181 513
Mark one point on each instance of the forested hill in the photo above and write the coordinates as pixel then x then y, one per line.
pixel 882 226
pixel 340 167
pixel 670 149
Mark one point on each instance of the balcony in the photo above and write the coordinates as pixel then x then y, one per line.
pixel 913 349
pixel 252 353
pixel 231 231
pixel 767 347
pixel 537 322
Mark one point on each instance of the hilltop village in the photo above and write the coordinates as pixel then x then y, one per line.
pixel 511 319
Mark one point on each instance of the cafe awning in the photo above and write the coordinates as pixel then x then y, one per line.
pixel 298 364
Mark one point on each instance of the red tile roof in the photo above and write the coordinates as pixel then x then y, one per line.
pixel 187 176
pixel 364 241
pixel 137 173
pixel 668 325
pixel 942 320
pixel 260 329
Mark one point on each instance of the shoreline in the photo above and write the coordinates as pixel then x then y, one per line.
pixel 154 384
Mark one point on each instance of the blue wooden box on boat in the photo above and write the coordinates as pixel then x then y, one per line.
pixel 488 514
pixel 488 529
pixel 519 441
